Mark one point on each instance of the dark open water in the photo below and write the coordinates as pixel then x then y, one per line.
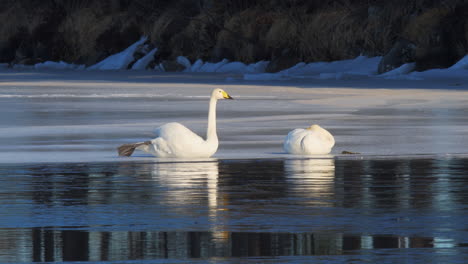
pixel 237 211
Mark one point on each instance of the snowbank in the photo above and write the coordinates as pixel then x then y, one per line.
pixel 258 67
pixel 400 72
pixel 51 65
pixel 233 67
pixel 213 67
pixel 196 66
pixel 357 68
pixel 119 61
pixel 23 67
pixel 360 67
pixel 142 63
pixel 265 77
pixel 223 66
pixel 184 62
pixel 461 64
pixel 344 69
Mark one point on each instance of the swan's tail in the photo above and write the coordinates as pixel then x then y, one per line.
pixel 128 149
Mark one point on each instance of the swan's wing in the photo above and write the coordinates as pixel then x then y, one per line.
pixel 317 142
pixel 292 141
pixel 176 132
pixel 323 135
pixel 175 140
pixel 160 148
pixel 308 141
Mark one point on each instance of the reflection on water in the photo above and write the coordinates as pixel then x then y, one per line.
pixel 235 208
pixel 41 244
pixel 313 178
pixel 182 178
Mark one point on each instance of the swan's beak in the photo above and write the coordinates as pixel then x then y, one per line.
pixel 226 96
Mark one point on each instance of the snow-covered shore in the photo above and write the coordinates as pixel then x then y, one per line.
pixel 82 116
pixel 139 56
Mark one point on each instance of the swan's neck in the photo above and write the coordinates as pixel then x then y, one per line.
pixel 211 131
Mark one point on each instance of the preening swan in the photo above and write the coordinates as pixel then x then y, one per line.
pixel 174 140
pixel 312 140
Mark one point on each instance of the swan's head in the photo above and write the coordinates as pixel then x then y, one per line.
pixel 221 94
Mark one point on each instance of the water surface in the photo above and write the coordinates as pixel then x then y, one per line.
pixel 408 210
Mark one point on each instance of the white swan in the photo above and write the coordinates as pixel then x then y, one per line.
pixel 309 141
pixel 176 141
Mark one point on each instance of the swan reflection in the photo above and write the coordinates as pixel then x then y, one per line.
pixel 312 179
pixel 193 183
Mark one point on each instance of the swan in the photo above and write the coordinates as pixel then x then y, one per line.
pixel 308 141
pixel 173 140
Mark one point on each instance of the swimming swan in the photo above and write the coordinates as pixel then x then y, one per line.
pixel 176 141
pixel 312 140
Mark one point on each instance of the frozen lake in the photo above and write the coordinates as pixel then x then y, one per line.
pixel 83 115
pixel 67 196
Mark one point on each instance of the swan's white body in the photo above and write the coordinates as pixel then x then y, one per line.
pixel 177 141
pixel 310 141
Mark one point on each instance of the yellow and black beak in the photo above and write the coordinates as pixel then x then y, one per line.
pixel 227 96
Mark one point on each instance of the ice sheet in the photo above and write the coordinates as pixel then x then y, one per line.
pixel 82 116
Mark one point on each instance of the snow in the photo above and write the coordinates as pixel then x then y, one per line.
pixel 404 72
pixel 213 66
pixel 258 67
pixel 403 69
pixel 361 67
pixel 119 61
pixel 184 62
pixel 196 66
pixel 345 69
pixel 22 66
pixel 264 77
pixel 233 67
pixel 223 66
pixel 461 64
pixel 159 68
pixel 142 63
pixel 51 65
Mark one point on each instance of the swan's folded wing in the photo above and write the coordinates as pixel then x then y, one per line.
pixel 292 143
pixel 317 142
pixel 175 140
pixel 323 135
pixel 329 137
pixel 161 148
pixel 175 133
pixel 157 147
